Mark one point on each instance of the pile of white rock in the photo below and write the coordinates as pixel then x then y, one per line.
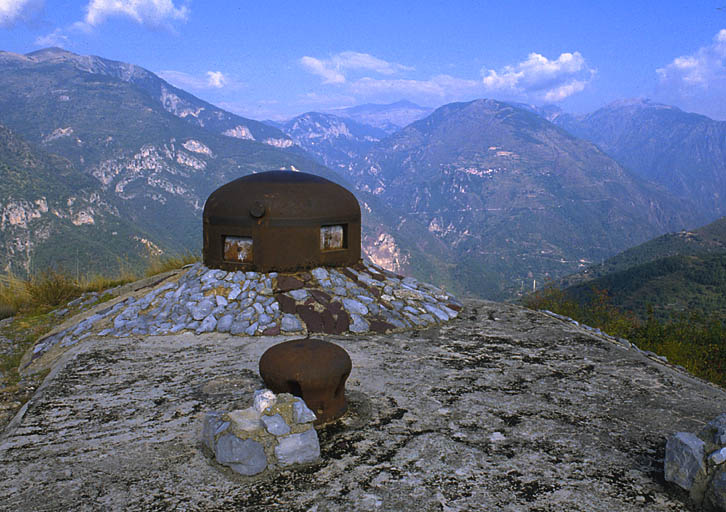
pixel 330 300
pixel 695 462
pixel 276 431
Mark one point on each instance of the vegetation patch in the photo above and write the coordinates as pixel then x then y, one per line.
pixel 691 339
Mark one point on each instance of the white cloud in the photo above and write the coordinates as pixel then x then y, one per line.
pixel 216 79
pixel 704 69
pixel 55 38
pixel 211 80
pixel 14 11
pixel 441 86
pixel 150 13
pixel 320 68
pixel 538 76
pixel 333 70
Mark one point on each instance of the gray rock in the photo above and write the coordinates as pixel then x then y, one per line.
pixel 354 306
pixel 718 457
pixel 212 421
pixel 202 310
pixel 300 294
pixel 443 317
pixel 207 325
pixel 301 412
pixel 340 291
pixel 219 310
pixel 452 313
pixel 259 308
pixel 221 300
pixel 320 273
pixel 358 324
pixel 410 281
pixel 239 326
pixel 275 425
pixel 264 319
pixel 234 293
pixel 225 323
pixel 398 304
pixel 427 319
pixel 684 458
pixel 245 456
pixel 298 448
pixel 251 329
pixel 716 491
pixel 192 326
pixel 209 275
pixel 411 310
pixel 290 323
pixel 177 327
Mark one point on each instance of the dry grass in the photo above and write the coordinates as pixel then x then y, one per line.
pixel 53 288
pixel 159 265
pixel 13 295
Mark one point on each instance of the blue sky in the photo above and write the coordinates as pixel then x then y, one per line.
pixel 276 59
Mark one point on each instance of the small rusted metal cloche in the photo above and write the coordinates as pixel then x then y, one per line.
pixel 315 370
pixel 281 221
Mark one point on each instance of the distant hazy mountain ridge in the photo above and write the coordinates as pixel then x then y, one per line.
pixel 390 118
pixel 684 152
pixel 336 141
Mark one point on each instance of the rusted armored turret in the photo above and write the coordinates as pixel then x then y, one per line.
pixel 281 221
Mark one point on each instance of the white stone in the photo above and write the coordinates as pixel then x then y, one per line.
pixel 290 323
pixel 245 456
pixel 247 420
pixel 358 324
pixel 221 301
pixel 354 306
pixel 275 425
pixel 298 448
pixel 299 294
pixel 234 292
pixel 301 412
pixel 320 273
pixel 718 457
pixel 263 399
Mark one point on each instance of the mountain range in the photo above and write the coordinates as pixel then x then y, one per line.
pixel 516 197
pixel 672 273
pixel 483 197
pixel 150 155
pixel 684 152
pixel 389 117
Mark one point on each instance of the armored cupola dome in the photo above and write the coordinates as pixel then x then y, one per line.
pixel 281 221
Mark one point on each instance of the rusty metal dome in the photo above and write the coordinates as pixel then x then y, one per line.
pixel 281 221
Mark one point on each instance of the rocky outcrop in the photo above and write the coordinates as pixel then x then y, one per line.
pixel 696 463
pixel 501 409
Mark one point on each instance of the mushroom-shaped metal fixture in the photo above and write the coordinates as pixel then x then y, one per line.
pixel 315 370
